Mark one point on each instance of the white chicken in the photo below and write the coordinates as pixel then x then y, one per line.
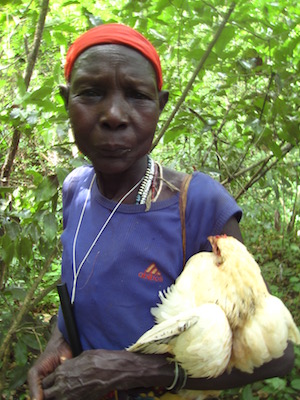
pixel 219 314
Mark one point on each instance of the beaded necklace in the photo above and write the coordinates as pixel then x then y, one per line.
pixel 146 182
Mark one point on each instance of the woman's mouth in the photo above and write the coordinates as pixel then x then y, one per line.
pixel 112 151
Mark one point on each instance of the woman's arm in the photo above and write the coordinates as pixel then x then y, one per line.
pixel 98 372
pixel 232 228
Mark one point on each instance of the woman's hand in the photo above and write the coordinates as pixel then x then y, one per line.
pixel 56 352
pixel 79 378
pixel 96 373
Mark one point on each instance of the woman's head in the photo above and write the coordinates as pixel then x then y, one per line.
pixel 114 99
pixel 114 34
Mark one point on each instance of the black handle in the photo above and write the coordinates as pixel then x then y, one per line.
pixel 67 310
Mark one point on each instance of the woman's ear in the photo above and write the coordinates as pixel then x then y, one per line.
pixel 163 97
pixel 64 92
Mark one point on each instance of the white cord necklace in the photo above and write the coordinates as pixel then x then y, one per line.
pixel 160 182
pixel 77 272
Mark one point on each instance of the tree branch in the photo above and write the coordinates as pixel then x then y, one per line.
pixel 44 292
pixel 193 77
pixel 262 170
pixel 291 223
pixel 36 42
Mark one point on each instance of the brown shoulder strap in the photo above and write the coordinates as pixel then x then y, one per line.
pixel 182 208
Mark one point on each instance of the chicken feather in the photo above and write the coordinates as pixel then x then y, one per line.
pixel 193 337
pixel 264 336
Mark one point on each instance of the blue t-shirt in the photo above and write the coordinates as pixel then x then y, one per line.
pixel 138 254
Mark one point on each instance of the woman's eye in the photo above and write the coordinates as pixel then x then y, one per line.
pixel 89 93
pixel 135 94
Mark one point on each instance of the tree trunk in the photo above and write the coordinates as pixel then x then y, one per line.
pixel 8 164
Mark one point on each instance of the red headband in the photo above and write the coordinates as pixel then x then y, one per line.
pixel 113 34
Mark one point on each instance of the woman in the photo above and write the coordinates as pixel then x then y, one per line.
pixel 122 238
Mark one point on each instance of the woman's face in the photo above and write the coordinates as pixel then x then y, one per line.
pixel 114 106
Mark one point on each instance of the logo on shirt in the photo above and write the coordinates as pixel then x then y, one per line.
pixel 151 274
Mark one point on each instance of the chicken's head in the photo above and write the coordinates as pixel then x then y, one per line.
pixel 224 246
pixel 214 241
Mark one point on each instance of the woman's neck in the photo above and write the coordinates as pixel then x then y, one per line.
pixel 115 186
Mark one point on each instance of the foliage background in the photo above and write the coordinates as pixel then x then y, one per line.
pixel 238 122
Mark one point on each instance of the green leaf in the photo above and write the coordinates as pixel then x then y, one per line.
pixel 12 230
pixel 293 129
pixel 277 383
pixel 173 133
pixel 70 2
pixel 296 287
pixel 7 250
pixel 39 94
pixel 247 393
pixel 21 85
pixel 45 191
pixel 4 189
pixel 276 150
pixel 25 248
pixel 50 226
pixel 17 376
pixel 31 341
pixel 226 36
pixel 2 83
pixel 294 247
pixel 61 174
pixel 17 293
pixel 21 353
pixel 161 5
pixel 295 383
pixel 294 279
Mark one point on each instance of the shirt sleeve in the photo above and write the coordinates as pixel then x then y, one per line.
pixel 209 207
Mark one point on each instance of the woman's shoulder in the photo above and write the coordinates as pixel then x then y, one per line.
pixel 78 175
pixel 209 198
pixel 202 189
pixel 199 182
pixel 77 180
pixel 206 185
pixel 171 182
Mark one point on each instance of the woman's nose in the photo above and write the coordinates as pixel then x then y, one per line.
pixel 114 112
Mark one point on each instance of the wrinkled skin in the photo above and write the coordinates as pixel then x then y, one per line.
pixel 114 106
pixel 64 383
pixel 98 372
pixel 56 376
pixel 56 353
